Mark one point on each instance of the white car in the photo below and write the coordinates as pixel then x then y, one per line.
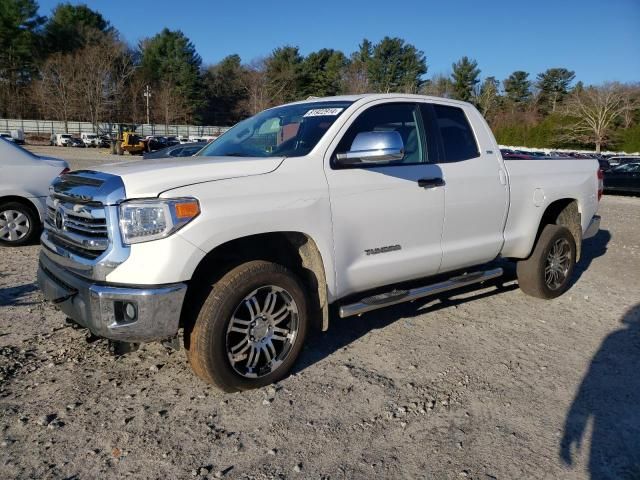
pixel 90 139
pixel 335 201
pixel 24 186
pixel 63 139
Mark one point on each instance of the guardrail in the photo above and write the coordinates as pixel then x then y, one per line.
pixel 47 127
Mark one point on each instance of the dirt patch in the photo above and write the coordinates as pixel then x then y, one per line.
pixel 480 385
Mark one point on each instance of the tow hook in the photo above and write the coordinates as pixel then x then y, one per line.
pixel 118 348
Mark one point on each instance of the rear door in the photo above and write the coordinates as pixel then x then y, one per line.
pixel 476 191
pixel 386 226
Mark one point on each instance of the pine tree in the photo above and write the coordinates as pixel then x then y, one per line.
pixel 465 78
pixel 396 66
pixel 554 85
pixel 518 87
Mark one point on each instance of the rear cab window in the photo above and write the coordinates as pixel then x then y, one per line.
pixel 457 140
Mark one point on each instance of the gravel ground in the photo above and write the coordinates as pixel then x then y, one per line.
pixel 486 384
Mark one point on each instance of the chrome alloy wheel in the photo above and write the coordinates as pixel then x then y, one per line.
pixel 262 331
pixel 557 265
pixel 14 225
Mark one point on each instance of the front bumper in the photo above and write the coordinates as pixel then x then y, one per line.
pixel 593 228
pixel 101 308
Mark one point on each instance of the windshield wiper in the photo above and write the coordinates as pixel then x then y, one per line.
pixel 236 154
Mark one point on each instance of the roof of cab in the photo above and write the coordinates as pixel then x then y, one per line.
pixel 378 96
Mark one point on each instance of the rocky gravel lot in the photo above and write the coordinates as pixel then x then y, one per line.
pixel 486 384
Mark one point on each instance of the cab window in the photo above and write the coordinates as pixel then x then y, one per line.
pixel 403 118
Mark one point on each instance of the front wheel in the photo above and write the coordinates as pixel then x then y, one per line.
pixel 547 272
pixel 250 329
pixel 19 224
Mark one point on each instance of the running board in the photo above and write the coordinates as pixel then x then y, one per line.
pixel 400 296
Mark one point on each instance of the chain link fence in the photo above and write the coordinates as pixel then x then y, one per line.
pixel 48 127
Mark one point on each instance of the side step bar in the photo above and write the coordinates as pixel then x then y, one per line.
pixel 400 296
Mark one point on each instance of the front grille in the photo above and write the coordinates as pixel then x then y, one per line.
pixel 78 227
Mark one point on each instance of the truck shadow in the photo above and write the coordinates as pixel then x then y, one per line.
pixel 15 295
pixel 591 249
pixel 608 397
pixel 342 332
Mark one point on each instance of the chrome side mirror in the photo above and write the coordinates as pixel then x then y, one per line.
pixel 373 147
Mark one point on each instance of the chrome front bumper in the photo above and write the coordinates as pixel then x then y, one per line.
pixel 101 308
pixel 593 228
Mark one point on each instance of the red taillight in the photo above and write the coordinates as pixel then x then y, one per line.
pixel 600 183
pixel 66 170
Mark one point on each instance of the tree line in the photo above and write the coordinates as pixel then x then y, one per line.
pixel 74 65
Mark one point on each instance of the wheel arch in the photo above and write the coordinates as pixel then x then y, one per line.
pixel 294 250
pixel 564 212
pixel 28 202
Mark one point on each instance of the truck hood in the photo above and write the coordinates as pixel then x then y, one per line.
pixel 149 178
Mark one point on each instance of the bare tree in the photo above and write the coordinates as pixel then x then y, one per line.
pixel 594 111
pixel 439 85
pixel 103 71
pixel 56 87
pixel 631 100
pixel 170 106
pixel 256 86
pixel 486 96
pixel 356 78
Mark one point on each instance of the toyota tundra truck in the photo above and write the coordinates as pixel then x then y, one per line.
pixel 344 204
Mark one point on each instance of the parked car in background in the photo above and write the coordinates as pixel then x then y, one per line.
pixel 24 186
pixel 156 142
pixel 623 178
pixel 63 139
pixel 186 150
pixel 104 141
pixel 171 141
pixel 516 156
pixel 621 159
pixel 90 139
pixel 76 142
pixel 18 136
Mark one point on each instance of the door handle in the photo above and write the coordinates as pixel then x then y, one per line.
pixel 431 182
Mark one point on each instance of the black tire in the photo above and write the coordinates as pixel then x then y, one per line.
pixel 534 278
pixel 30 224
pixel 208 341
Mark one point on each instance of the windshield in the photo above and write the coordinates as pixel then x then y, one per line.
pixel 288 131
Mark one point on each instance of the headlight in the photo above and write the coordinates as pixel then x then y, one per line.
pixel 145 220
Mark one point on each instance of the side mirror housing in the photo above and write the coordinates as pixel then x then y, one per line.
pixel 373 147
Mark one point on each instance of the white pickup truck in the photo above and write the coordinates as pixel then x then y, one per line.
pixel 329 202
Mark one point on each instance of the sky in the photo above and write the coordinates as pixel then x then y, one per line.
pixel 598 39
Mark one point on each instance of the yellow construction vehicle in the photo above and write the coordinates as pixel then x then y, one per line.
pixel 133 143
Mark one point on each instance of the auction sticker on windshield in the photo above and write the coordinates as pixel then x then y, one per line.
pixel 323 112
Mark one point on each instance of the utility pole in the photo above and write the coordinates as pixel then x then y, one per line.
pixel 147 95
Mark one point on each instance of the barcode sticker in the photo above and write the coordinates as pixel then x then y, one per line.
pixel 323 112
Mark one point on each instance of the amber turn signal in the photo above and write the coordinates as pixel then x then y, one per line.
pixel 187 209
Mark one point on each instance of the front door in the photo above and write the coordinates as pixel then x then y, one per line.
pixel 386 226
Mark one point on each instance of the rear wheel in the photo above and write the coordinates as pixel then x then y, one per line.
pixel 19 224
pixel 547 272
pixel 250 329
